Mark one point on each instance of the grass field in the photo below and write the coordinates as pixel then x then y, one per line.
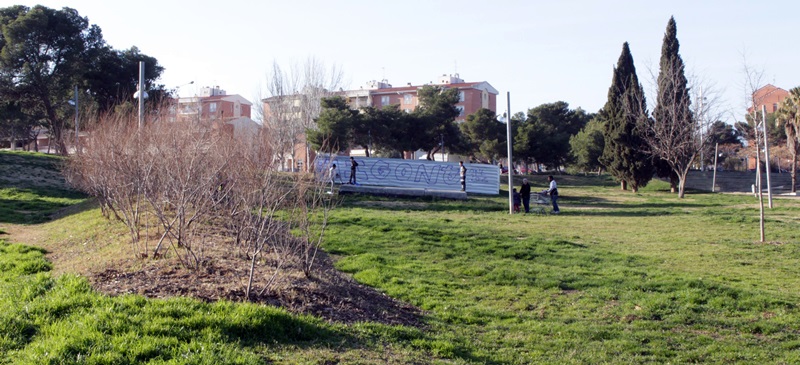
pixel 616 278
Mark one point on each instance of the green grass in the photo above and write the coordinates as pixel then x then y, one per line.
pixel 31 187
pixel 618 277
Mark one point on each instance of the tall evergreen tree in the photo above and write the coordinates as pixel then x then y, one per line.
pixel 623 155
pixel 672 135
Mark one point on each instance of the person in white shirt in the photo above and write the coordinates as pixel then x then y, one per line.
pixel 333 173
pixel 553 191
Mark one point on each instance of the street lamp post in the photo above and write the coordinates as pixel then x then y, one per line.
pixel 766 153
pixel 141 94
pixel 714 179
pixel 510 160
pixel 74 102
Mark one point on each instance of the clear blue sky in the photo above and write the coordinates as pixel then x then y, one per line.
pixel 540 51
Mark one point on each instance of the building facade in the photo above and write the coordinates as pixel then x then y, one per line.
pixel 213 104
pixel 769 96
pixel 472 97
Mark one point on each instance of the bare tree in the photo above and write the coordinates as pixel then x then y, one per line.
pixel 281 112
pixel 196 185
pixel 675 134
pixel 294 103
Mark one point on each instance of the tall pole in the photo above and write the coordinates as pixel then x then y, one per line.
pixel 510 159
pixel 758 185
pixel 714 178
pixel 76 120
pixel 442 135
pixel 766 153
pixel 702 142
pixel 141 94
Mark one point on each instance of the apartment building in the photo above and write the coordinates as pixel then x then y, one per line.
pixel 472 97
pixel 213 103
pixel 770 96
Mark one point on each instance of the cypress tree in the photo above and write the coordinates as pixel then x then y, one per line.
pixel 672 132
pixel 623 154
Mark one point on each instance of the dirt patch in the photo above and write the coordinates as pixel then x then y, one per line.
pixel 330 294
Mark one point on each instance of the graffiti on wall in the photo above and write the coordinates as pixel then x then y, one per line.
pixel 433 175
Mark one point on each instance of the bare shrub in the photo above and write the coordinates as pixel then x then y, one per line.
pixel 198 185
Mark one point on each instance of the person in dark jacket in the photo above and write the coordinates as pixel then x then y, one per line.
pixel 462 172
pixel 353 165
pixel 525 194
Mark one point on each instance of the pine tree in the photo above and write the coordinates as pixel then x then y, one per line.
pixel 623 154
pixel 672 134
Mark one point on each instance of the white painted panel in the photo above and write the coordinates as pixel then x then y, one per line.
pixel 423 174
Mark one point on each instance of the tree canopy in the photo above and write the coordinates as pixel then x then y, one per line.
pixel 543 138
pixel 672 136
pixel 45 53
pixel 587 146
pixel 486 135
pixel 623 153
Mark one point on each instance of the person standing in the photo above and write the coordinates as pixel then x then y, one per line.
pixel 333 174
pixel 515 196
pixel 462 171
pixel 353 165
pixel 525 194
pixel 553 191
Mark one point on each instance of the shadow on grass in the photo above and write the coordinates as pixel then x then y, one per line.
pixel 35 205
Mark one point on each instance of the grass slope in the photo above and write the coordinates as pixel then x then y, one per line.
pixel 616 278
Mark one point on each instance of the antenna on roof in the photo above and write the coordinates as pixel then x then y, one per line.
pixel 383 71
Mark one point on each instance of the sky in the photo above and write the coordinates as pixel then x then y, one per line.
pixel 538 51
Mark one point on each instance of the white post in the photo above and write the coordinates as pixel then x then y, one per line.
pixel 702 142
pixel 714 178
pixel 766 153
pixel 510 159
pixel 141 94
pixel 77 142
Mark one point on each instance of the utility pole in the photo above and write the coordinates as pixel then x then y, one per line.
pixel 141 94
pixel 702 142
pixel 714 179
pixel 510 160
pixel 77 142
pixel 766 153
pixel 759 191
pixel 442 135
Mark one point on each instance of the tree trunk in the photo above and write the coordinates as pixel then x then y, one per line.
pixel 682 183
pixel 794 172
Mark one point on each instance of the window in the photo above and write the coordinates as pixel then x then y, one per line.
pixel 212 107
pixel 407 98
pixel 460 96
pixel 774 107
pixel 460 110
pixel 385 100
pixel 407 110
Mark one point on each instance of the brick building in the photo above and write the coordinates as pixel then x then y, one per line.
pixel 472 97
pixel 770 96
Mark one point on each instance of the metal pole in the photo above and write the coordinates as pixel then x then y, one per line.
pixel 510 159
pixel 141 94
pixel 77 142
pixel 442 135
pixel 714 178
pixel 766 153
pixel 702 142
